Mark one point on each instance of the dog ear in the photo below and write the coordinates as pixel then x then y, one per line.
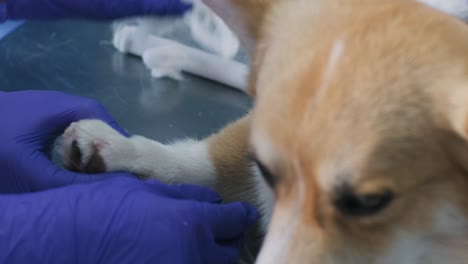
pixel 244 18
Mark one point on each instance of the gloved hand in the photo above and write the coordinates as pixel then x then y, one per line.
pixel 92 9
pixel 31 120
pixel 122 220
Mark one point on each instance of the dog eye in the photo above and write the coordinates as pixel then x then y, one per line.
pixel 362 205
pixel 267 175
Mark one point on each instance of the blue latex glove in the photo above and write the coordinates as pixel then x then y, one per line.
pixel 31 122
pixel 92 9
pixel 122 220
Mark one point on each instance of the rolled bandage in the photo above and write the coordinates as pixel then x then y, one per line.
pixel 209 31
pixel 168 58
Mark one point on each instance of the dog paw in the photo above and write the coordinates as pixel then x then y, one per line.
pixel 92 146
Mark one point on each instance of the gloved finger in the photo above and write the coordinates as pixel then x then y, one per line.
pixel 54 111
pixel 44 174
pixel 233 243
pixel 166 7
pixel 230 221
pixel 86 109
pixel 55 124
pixel 199 193
pixel 228 255
pixel 186 191
pixel 56 9
pixel 92 109
pixel 63 178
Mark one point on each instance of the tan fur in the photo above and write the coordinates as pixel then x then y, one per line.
pixel 229 152
pixel 384 118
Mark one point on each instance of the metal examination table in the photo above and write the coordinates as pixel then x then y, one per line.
pixel 76 57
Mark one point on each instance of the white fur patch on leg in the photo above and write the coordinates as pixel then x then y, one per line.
pixel 185 161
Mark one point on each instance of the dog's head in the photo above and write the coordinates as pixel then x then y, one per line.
pixel 360 127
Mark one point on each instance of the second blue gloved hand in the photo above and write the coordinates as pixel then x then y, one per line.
pixel 91 9
pixel 122 220
pixel 31 120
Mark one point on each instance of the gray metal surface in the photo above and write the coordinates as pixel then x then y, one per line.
pixel 76 57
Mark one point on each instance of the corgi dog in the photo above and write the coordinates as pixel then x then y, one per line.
pixel 356 151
